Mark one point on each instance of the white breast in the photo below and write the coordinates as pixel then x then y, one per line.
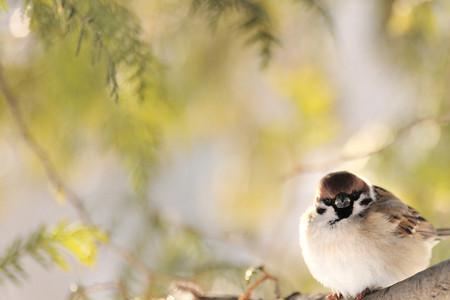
pixel 348 258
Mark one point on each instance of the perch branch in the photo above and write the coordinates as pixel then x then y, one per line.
pixel 432 283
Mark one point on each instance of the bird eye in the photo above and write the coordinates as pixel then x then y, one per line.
pixel 327 202
pixel 355 195
pixel 320 210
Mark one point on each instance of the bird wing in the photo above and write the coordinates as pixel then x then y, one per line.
pixel 409 223
pixel 443 233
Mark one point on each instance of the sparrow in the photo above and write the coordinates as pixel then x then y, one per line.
pixel 359 237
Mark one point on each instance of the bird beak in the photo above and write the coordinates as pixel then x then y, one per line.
pixel 342 202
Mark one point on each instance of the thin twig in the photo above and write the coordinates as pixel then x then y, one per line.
pixel 131 259
pixel 123 290
pixel 84 291
pixel 315 167
pixel 101 287
pixel 55 178
pixel 266 276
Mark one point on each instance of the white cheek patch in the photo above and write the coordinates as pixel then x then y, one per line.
pixel 327 215
pixel 363 202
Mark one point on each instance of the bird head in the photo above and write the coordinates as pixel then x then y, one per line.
pixel 341 195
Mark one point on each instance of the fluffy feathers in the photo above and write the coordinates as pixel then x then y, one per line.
pixel 381 242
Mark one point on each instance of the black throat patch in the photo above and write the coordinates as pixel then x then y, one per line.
pixel 342 213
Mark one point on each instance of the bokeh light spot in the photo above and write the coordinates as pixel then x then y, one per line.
pixel 19 24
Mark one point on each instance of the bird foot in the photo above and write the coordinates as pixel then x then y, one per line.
pixel 334 296
pixel 364 293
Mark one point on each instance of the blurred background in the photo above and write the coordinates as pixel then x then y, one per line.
pixel 195 132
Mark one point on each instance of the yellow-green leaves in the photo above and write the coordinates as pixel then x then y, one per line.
pixel 79 240
pixel 51 246
pixel 56 257
pixel 107 30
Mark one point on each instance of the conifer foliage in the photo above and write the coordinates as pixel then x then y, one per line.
pixel 112 33
pixel 255 21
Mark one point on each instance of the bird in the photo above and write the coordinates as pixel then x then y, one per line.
pixel 357 237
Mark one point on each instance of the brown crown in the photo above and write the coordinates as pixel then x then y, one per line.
pixel 340 182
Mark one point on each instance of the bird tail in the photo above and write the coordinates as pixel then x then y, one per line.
pixel 443 233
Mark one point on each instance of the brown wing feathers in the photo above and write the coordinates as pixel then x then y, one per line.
pixel 409 222
pixel 443 232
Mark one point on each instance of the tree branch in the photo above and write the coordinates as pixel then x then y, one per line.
pixel 432 283
pixel 55 178
pixel 314 167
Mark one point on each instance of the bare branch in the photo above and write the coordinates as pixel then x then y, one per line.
pixel 432 283
pixel 314 167
pixel 266 276
pixel 13 104
pixel 55 179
